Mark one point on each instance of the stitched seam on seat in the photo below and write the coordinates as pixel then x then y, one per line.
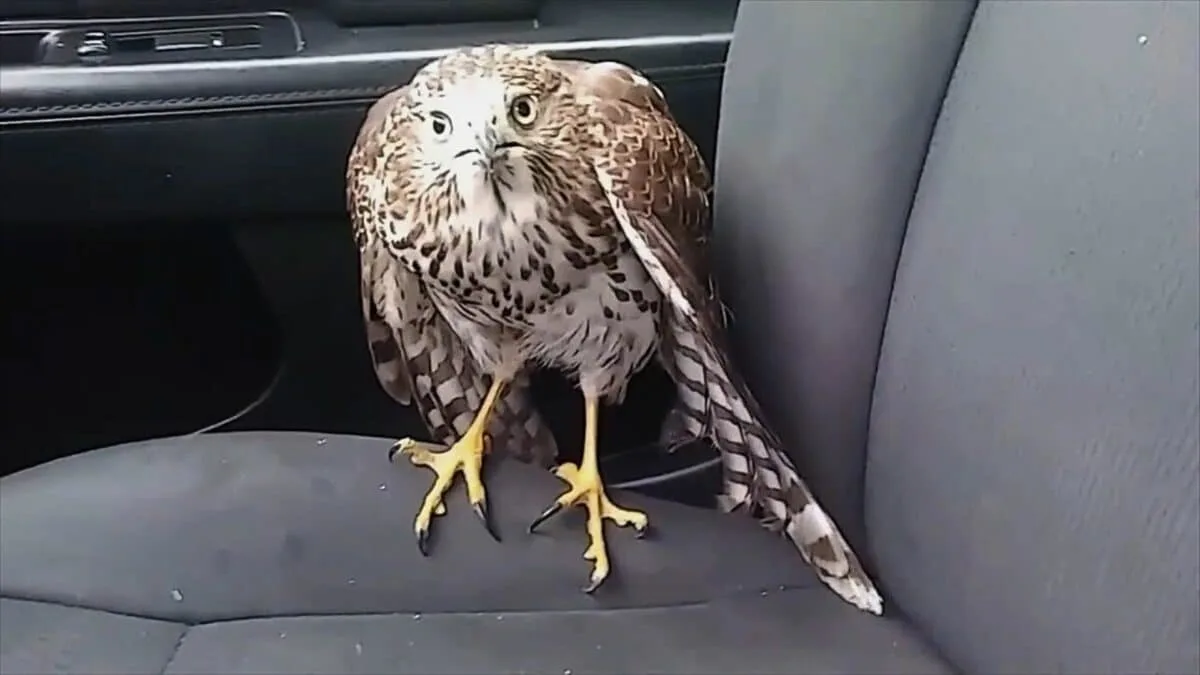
pixel 175 652
pixel 887 310
pixel 311 615
pixel 21 597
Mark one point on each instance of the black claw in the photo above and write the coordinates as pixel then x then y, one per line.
pixel 392 453
pixel 592 586
pixel 423 542
pixel 641 532
pixel 481 512
pixel 546 515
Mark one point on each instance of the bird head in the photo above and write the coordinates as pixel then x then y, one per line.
pixel 491 117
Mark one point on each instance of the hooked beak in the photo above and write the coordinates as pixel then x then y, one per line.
pixel 480 157
pixel 486 150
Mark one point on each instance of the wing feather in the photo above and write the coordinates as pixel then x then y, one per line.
pixel 658 189
pixel 617 88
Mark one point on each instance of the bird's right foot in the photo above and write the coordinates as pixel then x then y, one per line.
pixel 465 457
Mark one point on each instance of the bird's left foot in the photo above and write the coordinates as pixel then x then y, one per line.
pixel 588 491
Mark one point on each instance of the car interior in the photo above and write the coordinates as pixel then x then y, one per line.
pixel 959 241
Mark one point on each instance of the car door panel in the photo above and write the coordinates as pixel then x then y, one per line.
pixel 243 158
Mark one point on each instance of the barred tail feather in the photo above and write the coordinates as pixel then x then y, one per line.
pixel 418 359
pixel 714 402
pixel 449 393
pixel 519 429
pixel 758 473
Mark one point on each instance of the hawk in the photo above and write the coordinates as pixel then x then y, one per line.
pixel 515 211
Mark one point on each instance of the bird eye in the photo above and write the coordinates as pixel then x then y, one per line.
pixel 523 110
pixel 439 122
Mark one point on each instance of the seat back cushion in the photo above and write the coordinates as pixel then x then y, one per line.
pixel 826 115
pixel 1033 485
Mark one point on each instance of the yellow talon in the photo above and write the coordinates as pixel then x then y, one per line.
pixel 465 457
pixel 587 490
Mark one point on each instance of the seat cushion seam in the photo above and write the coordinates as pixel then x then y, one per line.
pixel 23 597
pixel 175 650
pixel 8 595
pixel 896 271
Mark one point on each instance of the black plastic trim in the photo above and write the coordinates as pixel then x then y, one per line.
pixel 60 43
pixel 350 65
pixel 174 144
pixel 71 96
pixel 256 148
pixel 389 12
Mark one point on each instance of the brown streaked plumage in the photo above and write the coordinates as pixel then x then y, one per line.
pixel 514 211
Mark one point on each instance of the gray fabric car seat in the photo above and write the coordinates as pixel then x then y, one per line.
pixel 1031 460
pixel 1034 464
pixel 1008 433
